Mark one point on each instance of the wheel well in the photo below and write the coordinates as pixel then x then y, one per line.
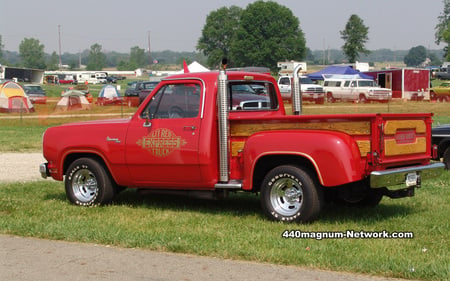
pixel 74 156
pixel 267 163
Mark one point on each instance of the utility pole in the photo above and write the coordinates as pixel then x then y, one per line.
pixel 149 56
pixel 59 41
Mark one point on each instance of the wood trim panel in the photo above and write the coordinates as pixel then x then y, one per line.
pixel 351 128
pixel 391 126
pixel 392 148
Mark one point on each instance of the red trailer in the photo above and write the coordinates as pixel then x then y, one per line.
pixel 405 83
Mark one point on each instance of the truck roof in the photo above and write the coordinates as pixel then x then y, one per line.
pixel 232 75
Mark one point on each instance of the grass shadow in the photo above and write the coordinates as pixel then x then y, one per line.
pixel 246 204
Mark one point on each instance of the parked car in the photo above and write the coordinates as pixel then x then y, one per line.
pixel 111 79
pixel 440 136
pixel 137 91
pixel 145 88
pixel 35 93
pixel 441 92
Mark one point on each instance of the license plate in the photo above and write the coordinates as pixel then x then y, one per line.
pixel 411 179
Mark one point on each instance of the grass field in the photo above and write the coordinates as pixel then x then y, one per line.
pixel 235 227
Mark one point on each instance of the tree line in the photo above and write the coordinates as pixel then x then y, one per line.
pixel 260 35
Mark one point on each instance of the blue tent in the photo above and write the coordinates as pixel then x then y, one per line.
pixel 339 70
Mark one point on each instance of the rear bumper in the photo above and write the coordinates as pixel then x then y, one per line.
pixel 398 176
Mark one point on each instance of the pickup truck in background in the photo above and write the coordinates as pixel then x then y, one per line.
pixel 441 138
pixel 310 91
pixel 356 90
pixel 207 134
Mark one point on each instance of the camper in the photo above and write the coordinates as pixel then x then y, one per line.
pixel 92 77
pixel 287 67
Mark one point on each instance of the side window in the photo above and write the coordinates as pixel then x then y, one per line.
pixel 174 101
pixel 252 95
pixel 346 83
pixel 285 81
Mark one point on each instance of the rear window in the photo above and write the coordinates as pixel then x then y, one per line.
pixel 252 95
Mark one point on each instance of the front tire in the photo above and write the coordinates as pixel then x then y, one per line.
pixel 289 193
pixel 88 183
pixel 362 98
pixel 330 98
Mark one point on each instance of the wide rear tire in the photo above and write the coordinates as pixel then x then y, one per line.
pixel 289 193
pixel 88 183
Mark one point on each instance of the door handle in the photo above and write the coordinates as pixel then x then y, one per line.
pixel 192 128
pixel 113 139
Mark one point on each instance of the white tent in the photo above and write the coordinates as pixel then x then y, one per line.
pixel 72 100
pixel 194 67
pixel 109 95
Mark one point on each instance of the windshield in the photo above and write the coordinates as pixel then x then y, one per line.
pixel 306 80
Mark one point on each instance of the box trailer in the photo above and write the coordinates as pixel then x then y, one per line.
pixel 405 83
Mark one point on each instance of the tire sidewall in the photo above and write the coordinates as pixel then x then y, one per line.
pixel 308 210
pixel 102 182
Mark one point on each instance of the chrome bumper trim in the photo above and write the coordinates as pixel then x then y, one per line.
pixel 398 176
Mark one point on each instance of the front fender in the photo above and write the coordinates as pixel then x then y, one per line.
pixel 334 155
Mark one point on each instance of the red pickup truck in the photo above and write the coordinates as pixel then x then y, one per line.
pixel 215 132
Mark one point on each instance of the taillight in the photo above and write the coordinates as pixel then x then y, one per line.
pixel 434 151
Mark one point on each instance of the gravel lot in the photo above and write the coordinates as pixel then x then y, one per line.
pixel 20 166
pixel 30 259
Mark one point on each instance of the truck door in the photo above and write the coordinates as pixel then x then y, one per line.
pixel 284 84
pixel 162 142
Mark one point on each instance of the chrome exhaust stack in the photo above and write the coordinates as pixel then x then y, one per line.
pixel 223 107
pixel 296 92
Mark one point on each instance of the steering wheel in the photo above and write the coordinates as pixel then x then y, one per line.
pixel 176 112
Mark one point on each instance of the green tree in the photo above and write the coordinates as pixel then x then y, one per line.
pixel 32 53
pixel 218 33
pixel 434 59
pixel 268 32
pixel 53 62
pixel 355 36
pixel 442 28
pixel 138 58
pixel 415 56
pixel 96 58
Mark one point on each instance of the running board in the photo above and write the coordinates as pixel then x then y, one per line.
pixel 229 185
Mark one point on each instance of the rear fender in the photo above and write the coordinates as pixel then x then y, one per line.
pixel 334 155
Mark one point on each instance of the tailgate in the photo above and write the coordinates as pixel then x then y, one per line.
pixel 403 139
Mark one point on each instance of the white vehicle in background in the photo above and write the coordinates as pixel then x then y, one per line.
pixel 310 90
pixel 92 77
pixel 355 89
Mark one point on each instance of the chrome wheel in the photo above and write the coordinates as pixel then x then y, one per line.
pixel 84 185
pixel 286 196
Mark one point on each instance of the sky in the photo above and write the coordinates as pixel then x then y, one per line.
pixel 177 24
